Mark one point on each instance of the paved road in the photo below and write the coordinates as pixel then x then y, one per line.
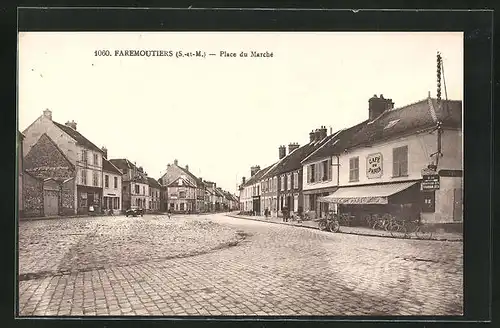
pixel 277 270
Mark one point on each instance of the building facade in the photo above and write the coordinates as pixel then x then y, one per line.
pixel 155 194
pixel 380 166
pixel 82 153
pixel 112 186
pixel 135 185
pixel 49 188
pixel 182 195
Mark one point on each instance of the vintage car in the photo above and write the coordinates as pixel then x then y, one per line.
pixel 134 212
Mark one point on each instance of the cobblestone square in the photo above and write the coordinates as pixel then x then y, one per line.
pixel 218 265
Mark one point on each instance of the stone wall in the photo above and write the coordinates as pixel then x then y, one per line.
pixel 68 198
pixel 32 196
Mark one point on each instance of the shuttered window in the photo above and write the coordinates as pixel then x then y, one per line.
pixel 400 161
pixel 354 169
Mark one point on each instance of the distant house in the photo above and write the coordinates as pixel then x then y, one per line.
pixel 174 172
pixel 182 195
pixel 85 156
pixel 135 184
pixel 112 190
pixel 155 194
pixel 49 184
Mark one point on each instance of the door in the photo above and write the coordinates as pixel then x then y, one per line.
pixel 51 202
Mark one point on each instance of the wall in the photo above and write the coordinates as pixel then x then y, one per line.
pixel 419 148
pixel 68 197
pixel 90 167
pixel 33 196
pixel 333 182
pixel 111 191
pixel 45 125
pixel 446 199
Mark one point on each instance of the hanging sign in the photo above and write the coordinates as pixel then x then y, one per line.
pixel 374 166
pixel 430 178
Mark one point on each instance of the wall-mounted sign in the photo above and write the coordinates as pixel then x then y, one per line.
pixel 430 182
pixel 374 166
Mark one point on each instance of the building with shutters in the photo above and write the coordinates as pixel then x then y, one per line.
pixel 112 186
pixel 135 185
pixel 378 165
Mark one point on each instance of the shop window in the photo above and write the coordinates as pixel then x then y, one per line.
pixel 428 201
pixel 400 161
pixel 354 169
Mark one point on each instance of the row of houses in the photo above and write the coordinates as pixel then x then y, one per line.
pixel 61 172
pixel 398 158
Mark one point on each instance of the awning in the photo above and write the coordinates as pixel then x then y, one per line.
pixel 374 194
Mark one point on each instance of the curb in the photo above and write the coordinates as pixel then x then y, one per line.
pixel 345 232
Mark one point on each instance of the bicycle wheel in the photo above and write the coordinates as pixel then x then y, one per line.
pixel 396 229
pixel 421 234
pixel 322 225
pixel 334 226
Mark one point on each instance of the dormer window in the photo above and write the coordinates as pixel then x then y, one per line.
pixel 391 124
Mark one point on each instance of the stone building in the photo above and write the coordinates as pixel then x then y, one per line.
pixel 182 195
pixel 85 156
pixel 49 184
pixel 155 194
pixel 135 185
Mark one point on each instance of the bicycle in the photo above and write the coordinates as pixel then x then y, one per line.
pixel 409 227
pixel 346 219
pixel 329 223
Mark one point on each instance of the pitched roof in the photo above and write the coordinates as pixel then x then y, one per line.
pixel 185 182
pixel 110 167
pixel 335 144
pixel 78 137
pixel 392 124
pixel 199 182
pixel 293 160
pixel 124 165
pixel 46 158
pixel 258 175
pixel 412 118
pixel 153 183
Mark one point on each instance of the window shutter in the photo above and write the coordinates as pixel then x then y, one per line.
pixel 317 177
pixel 329 169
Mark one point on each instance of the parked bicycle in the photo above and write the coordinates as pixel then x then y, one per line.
pixel 346 219
pixel 406 228
pixel 329 223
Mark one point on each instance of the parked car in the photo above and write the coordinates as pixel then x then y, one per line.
pixel 134 212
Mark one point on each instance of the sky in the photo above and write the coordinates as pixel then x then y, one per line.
pixel 222 115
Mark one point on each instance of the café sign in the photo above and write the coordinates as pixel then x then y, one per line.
pixel 374 166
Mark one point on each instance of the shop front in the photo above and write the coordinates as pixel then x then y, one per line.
pixel 89 198
pixel 312 205
pixel 111 202
pixel 402 200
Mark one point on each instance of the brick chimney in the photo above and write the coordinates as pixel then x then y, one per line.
pixel 187 167
pixel 243 180
pixel 105 151
pixel 71 124
pixel 282 152
pixel 254 169
pixel 324 132
pixel 311 136
pixel 176 162
pixel 292 146
pixel 47 113
pixel 377 105
pixel 317 135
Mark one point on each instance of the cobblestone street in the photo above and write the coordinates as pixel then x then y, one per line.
pixel 136 266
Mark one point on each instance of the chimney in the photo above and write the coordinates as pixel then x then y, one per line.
pixel 105 151
pixel 324 132
pixel 282 152
pixel 376 106
pixel 311 136
pixel 47 113
pixel 187 167
pixel 176 162
pixel 71 124
pixel 254 169
pixel 317 135
pixel 243 180
pixel 292 146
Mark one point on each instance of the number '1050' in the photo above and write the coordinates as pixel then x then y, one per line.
pixel 102 53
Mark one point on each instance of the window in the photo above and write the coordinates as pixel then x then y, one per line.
pixel 326 170
pixel 84 156
pixel 96 159
pixel 95 179
pixel 282 182
pixel 116 203
pixel 143 190
pixel 182 194
pixel 115 182
pixel 275 184
pixel 400 161
pixel 296 180
pixel 289 182
pixel 137 189
pixel 311 174
pixel 84 176
pixel 106 181
pixel 354 169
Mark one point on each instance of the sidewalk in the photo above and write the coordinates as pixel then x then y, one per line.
pixel 363 231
